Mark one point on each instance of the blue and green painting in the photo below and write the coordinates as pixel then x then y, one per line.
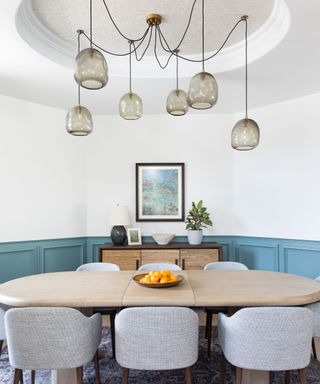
pixel 160 192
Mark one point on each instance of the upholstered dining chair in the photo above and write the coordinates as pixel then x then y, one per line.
pixel 140 345
pixel 220 265
pixel 3 309
pixel 111 312
pixel 268 339
pixel 315 308
pixel 51 338
pixel 159 267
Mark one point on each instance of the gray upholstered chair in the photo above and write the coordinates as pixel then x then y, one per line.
pixel 159 267
pixel 268 339
pixel 94 267
pixel 315 308
pixel 140 345
pixel 220 265
pixel 51 338
pixel 111 312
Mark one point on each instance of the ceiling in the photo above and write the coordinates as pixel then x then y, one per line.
pixel 283 61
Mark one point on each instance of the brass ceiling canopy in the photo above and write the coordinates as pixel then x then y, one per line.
pixel 154 19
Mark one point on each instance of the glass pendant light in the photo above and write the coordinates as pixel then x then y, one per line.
pixel 79 119
pixel 130 105
pixel 91 69
pixel 245 134
pixel 177 99
pixel 203 88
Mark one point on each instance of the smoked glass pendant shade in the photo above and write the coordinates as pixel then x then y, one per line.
pixel 177 104
pixel 203 91
pixel 79 121
pixel 245 135
pixel 91 70
pixel 130 106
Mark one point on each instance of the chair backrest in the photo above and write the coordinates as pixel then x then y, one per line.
pixel 272 338
pixel 159 267
pixel 99 267
pixel 153 338
pixel 231 265
pixel 51 338
pixel 317 278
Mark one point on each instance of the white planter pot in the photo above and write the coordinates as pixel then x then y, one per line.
pixel 195 237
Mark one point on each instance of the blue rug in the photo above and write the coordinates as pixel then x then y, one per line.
pixel 205 371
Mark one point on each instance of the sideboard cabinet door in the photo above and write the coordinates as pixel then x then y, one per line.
pixel 160 256
pixel 127 260
pixel 198 258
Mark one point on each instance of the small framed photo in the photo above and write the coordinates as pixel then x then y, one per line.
pixel 160 192
pixel 134 236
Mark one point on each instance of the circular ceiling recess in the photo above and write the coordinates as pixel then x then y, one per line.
pixel 50 28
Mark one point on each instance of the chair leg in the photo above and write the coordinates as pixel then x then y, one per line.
pixel 33 377
pixel 17 376
pixel 238 375
pixel 1 344
pixel 209 329
pixel 287 377
pixel 80 375
pixel 96 365
pixel 125 376
pixel 113 335
pixel 314 349
pixel 21 376
pixel 187 375
pixel 223 368
pixel 302 376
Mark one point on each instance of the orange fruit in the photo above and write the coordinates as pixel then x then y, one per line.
pixel 173 278
pixel 151 273
pixel 155 278
pixel 166 272
pixel 164 279
pixel 147 279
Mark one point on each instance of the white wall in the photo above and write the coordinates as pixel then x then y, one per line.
pixel 42 193
pixel 277 186
pixel 201 141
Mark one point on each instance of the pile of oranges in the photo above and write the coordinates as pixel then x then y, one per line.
pixel 161 277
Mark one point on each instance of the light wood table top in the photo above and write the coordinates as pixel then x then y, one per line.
pixel 200 288
pixel 251 288
pixel 181 294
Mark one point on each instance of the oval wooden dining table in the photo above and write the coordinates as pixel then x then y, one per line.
pixel 234 289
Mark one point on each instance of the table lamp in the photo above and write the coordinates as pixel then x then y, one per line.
pixel 119 217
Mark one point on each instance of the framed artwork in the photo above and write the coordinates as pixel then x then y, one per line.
pixel 160 192
pixel 134 236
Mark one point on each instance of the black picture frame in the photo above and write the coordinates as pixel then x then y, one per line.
pixel 178 173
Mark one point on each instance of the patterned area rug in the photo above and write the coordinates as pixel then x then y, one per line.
pixel 205 371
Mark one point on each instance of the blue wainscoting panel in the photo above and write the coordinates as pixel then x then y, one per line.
pixel 262 256
pixel 92 250
pixel 61 255
pixel 17 260
pixel 301 260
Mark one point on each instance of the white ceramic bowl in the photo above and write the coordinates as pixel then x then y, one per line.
pixel 163 238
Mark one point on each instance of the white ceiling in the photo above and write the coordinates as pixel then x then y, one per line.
pixel 289 70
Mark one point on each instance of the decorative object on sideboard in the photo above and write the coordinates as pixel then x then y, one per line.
pixel 163 238
pixel 134 236
pixel 160 192
pixel 245 134
pixel 198 217
pixel 119 218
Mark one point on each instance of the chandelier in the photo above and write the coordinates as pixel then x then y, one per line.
pixel 91 72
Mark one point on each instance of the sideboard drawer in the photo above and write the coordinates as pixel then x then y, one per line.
pixel 198 258
pixel 160 256
pixel 127 260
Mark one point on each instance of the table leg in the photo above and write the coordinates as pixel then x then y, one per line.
pixel 255 377
pixel 64 376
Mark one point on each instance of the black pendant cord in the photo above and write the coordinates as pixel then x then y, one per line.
pixel 90 23
pixel 246 65
pixel 202 37
pixel 177 71
pixel 79 33
pixel 130 81
pixel 156 54
pixel 146 48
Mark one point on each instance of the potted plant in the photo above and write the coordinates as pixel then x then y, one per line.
pixel 198 217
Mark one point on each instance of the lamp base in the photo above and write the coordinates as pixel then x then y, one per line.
pixel 119 235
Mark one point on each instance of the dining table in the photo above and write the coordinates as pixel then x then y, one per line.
pixel 199 289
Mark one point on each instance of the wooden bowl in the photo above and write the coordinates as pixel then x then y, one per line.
pixel 137 278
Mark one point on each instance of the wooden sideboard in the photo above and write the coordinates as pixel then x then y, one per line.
pixel 183 254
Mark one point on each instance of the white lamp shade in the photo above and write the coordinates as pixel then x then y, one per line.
pixel 119 215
